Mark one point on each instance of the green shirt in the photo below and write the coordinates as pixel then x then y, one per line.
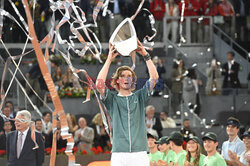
pixel 180 158
pixel 169 157
pixel 201 161
pixel 155 156
pixel 128 119
pixel 215 160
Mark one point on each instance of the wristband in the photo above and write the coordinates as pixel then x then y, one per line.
pixel 146 57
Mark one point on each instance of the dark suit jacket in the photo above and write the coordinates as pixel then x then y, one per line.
pixel 28 156
pixel 157 126
pixel 3 141
pixel 122 7
pixel 233 76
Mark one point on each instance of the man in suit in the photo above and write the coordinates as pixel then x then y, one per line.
pixel 153 123
pixel 230 70
pixel 19 144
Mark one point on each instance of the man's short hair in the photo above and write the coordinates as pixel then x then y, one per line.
pixel 45 113
pixel 38 120
pixel 165 113
pixel 149 107
pixel 26 114
pixel 7 121
pixel 186 120
pixel 231 53
pixel 10 102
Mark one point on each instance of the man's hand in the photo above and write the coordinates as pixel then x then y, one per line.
pixel 79 135
pixel 187 163
pixel 162 163
pixel 140 49
pixel 112 54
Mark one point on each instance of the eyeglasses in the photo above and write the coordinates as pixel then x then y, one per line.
pixel 21 120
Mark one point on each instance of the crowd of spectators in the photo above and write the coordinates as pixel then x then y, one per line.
pixel 181 146
pixel 223 12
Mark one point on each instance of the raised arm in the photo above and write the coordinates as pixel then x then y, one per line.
pixel 101 78
pixel 153 74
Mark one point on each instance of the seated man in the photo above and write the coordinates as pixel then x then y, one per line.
pixel 84 136
pixel 166 121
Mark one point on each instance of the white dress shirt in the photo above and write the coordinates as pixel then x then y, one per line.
pixel 23 136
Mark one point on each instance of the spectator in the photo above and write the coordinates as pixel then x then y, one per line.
pixel 164 147
pixel 234 144
pixel 70 80
pixel 11 106
pixel 84 136
pixel 57 77
pixel 177 73
pixel 47 125
pixel 141 21
pixel 101 137
pixel 38 18
pixel 153 123
pixel 210 8
pixel 46 137
pixel 166 121
pixel 192 8
pixel 191 95
pixel 60 143
pixel 7 128
pixel 118 8
pixel 226 10
pixel 244 159
pixel 158 8
pixel 6 112
pixel 186 130
pixel 240 7
pixel 161 70
pixel 230 71
pixel 172 10
pixel 213 157
pixel 214 82
pixel 194 156
pixel 72 123
pixel 35 79
pixel 39 126
pixel 175 140
pixel 154 155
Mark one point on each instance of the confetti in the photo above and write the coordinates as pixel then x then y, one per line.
pixel 194 65
pixel 166 96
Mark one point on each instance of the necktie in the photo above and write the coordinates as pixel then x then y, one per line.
pixel 19 144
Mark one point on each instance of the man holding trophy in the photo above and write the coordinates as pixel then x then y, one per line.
pixel 127 108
